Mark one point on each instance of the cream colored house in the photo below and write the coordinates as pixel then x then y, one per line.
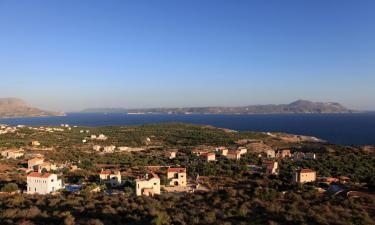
pixel 270 153
pixel 33 163
pixel 222 151
pixel 39 183
pixel 35 143
pixel 45 166
pixel 12 153
pixel 110 177
pixel 96 148
pixel 148 185
pixel 208 157
pixel 109 149
pixel 304 176
pixel 171 154
pixel 177 176
pixel 242 150
pixel 102 137
pixel 234 154
pixel 285 153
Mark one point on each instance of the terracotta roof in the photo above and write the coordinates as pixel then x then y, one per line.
pixel 207 154
pixel 307 171
pixel 176 170
pixel 40 175
pixel 106 172
pixel 233 152
pixel 150 176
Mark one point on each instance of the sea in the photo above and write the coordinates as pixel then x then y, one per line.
pixel 345 129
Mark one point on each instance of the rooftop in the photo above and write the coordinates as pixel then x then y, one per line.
pixel 39 175
pixel 307 171
pixel 176 170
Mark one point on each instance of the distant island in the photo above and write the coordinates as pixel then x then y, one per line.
pixel 300 106
pixel 14 107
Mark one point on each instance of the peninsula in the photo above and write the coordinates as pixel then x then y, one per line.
pixel 299 106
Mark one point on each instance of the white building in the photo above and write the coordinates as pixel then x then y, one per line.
pixel 38 183
pixel 176 176
pixel 110 177
pixel 33 163
pixel 149 185
pixel 109 149
pixel 270 153
pixel 97 148
pixel 101 137
pixel 222 151
pixel 171 154
pixel 242 150
pixel 12 153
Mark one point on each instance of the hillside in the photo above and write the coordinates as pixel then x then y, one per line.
pixel 14 107
pixel 300 106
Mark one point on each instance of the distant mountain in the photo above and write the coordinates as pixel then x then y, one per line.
pixel 300 106
pixel 14 107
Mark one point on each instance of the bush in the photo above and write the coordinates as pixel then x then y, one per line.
pixel 11 187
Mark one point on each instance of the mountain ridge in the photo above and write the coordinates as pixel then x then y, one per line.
pixel 299 106
pixel 16 107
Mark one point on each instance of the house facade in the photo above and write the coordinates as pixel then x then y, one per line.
pixel 285 153
pixel 234 154
pixel 33 163
pixel 176 176
pixel 149 185
pixel 208 157
pixel 12 153
pixel 39 183
pixel 304 176
pixel 112 178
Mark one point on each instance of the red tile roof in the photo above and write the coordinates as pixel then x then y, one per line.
pixel 176 170
pixel 39 175
pixel 207 154
pixel 106 172
pixel 307 171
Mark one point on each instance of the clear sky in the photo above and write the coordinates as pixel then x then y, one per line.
pixel 72 54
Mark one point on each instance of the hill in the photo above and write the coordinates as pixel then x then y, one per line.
pixel 14 107
pixel 300 106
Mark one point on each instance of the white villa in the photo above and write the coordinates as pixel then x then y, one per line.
pixel 148 185
pixel 109 149
pixel 12 153
pixel 242 150
pixel 110 177
pixel 33 163
pixel 97 148
pixel 38 183
pixel 176 176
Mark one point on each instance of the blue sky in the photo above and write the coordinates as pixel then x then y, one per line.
pixel 69 55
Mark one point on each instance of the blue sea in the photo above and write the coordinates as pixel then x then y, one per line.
pixel 346 129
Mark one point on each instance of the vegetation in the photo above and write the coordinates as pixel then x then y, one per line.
pixel 237 193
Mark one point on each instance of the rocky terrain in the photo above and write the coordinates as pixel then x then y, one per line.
pixel 14 107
